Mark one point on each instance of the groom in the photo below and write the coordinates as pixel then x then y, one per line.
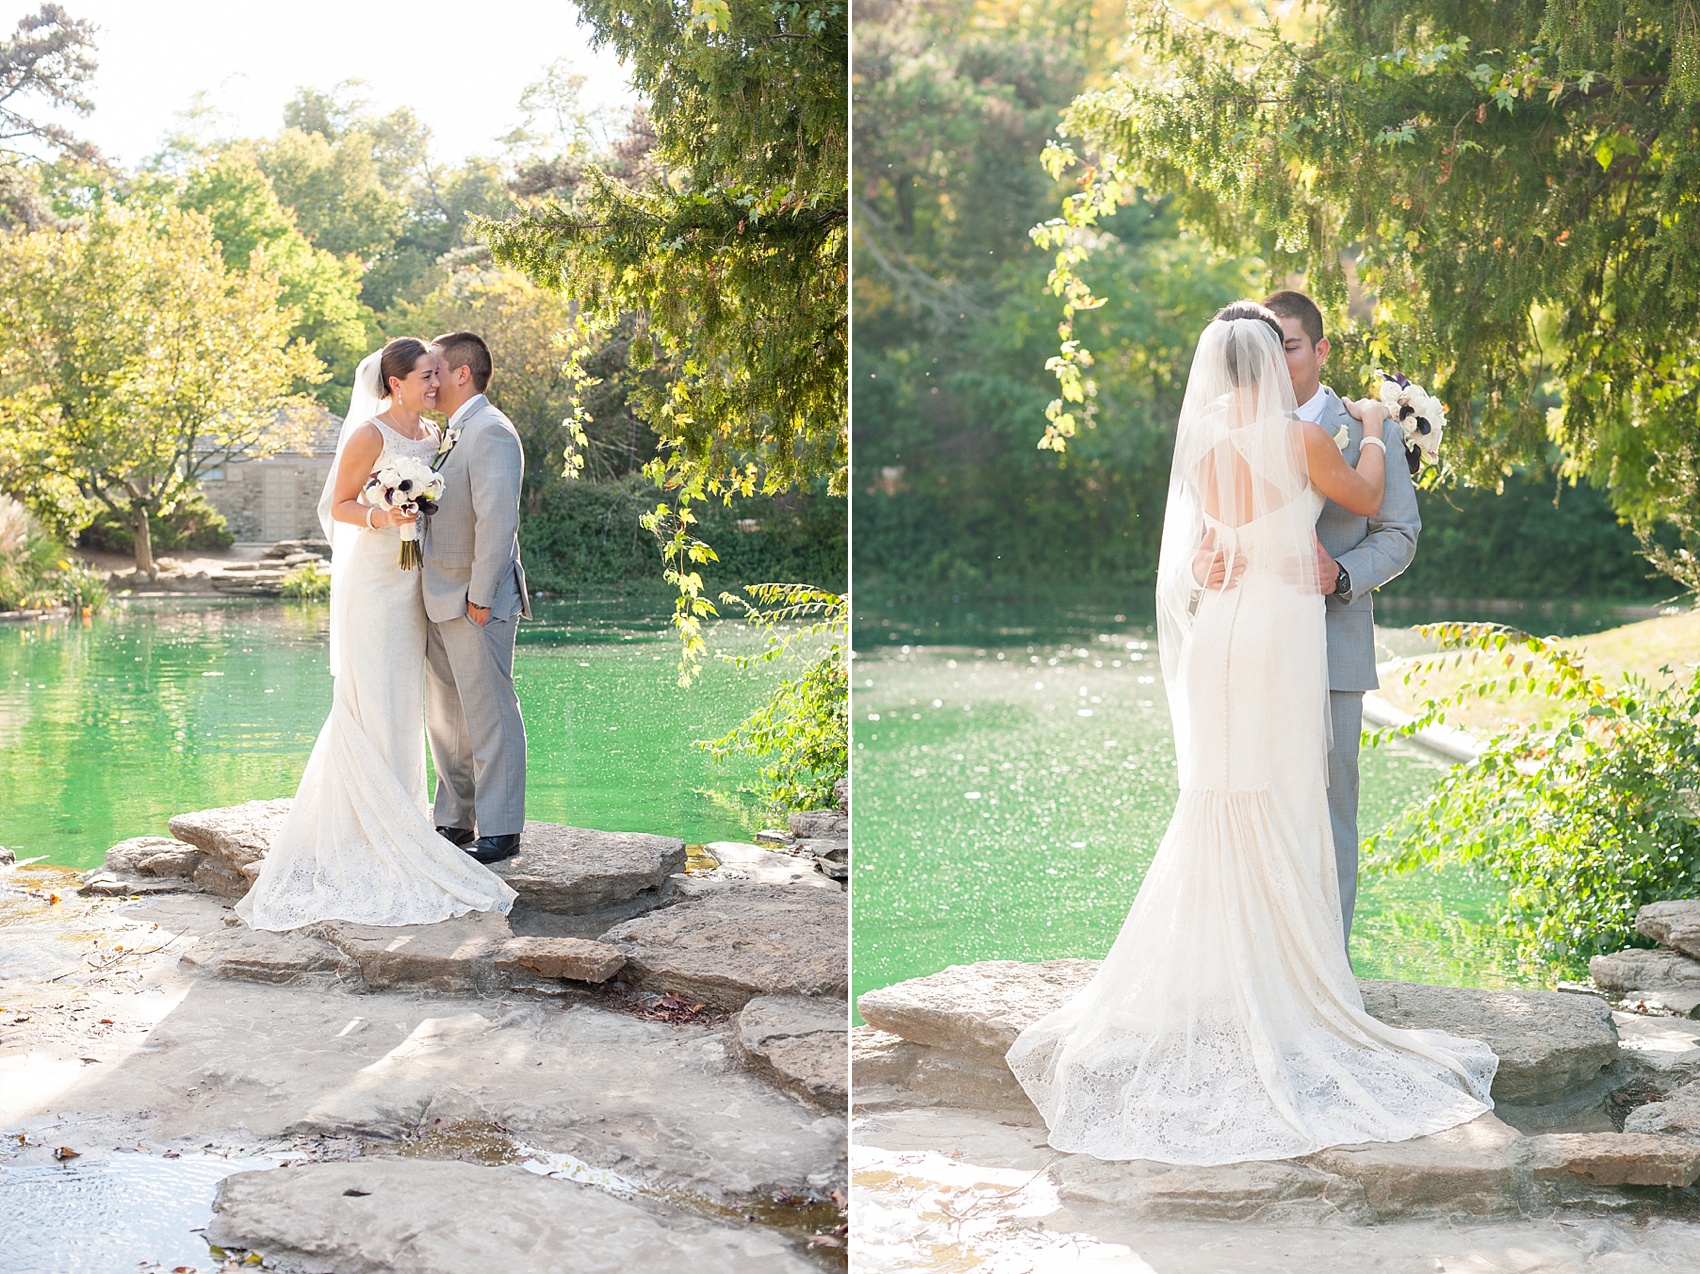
pixel 1355 556
pixel 474 598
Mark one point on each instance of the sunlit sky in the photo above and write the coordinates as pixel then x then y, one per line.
pixel 459 64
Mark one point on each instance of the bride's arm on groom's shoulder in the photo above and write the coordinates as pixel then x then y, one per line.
pixel 1357 490
pixel 359 458
pixel 1390 544
pixel 494 469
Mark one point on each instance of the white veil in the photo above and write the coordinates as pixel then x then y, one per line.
pixel 363 404
pixel 1238 483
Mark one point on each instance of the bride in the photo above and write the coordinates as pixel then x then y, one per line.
pixel 357 844
pixel 1225 1023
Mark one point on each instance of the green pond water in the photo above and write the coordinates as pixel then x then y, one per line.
pixel 1014 775
pixel 110 726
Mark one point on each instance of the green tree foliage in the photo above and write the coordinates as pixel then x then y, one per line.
pixel 1514 185
pixel 47 62
pixel 954 101
pixel 138 360
pixel 733 255
pixel 1584 820
pixel 247 219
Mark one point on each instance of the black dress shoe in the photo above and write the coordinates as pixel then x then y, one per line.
pixel 492 849
pixel 457 836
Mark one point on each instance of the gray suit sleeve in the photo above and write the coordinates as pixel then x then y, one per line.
pixel 495 470
pixel 1387 550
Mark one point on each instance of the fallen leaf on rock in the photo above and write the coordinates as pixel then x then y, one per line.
pixel 825 1240
pixel 65 1152
pixel 838 1200
pixel 89 1061
pixel 352 1193
pixel 106 1021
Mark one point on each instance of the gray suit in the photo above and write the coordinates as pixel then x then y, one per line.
pixel 471 553
pixel 1373 550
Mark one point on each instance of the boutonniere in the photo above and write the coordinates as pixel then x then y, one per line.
pixel 450 438
pixel 1342 437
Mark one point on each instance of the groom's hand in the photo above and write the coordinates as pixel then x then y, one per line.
pixel 1327 569
pixel 479 615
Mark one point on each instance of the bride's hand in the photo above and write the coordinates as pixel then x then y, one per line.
pixel 393 517
pixel 1372 411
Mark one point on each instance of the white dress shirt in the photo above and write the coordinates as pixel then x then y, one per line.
pixel 1311 408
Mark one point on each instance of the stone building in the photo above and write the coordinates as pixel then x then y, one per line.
pixel 275 498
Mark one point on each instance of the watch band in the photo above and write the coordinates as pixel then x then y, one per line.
pixel 1343 586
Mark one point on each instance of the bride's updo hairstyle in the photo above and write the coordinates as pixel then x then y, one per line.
pixel 398 359
pixel 1238 373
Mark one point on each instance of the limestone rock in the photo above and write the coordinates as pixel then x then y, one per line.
pixel 821 824
pixel 295 958
pixel 455 956
pixel 1674 924
pixel 841 795
pixel 1668 1046
pixel 1476 1168
pixel 575 959
pixel 214 877
pixel 736 943
pixel 881 1058
pixel 1548 1042
pixel 7 856
pixel 1615 1159
pixel 831 849
pixel 375 1215
pixel 153 856
pixel 1636 970
pixel 739 861
pixel 1678 1114
pixel 801 1044
pixel 975 1009
pixel 573 870
pixel 102 882
pixel 1282 1193
pixel 236 835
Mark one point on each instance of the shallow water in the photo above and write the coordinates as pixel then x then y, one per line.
pixel 1010 795
pixel 109 727
pixel 100 1216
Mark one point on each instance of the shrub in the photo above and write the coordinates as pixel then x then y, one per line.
pixel 193 524
pixel 1584 820
pixel 311 581
pixel 36 572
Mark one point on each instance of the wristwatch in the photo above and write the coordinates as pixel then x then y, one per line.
pixel 1343 587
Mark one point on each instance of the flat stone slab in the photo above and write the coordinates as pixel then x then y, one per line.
pixel 800 1043
pixel 1548 1043
pixel 1474 1168
pixel 1615 1159
pixel 456 956
pixel 103 882
pixel 281 959
pixel 735 943
pixel 1677 1115
pixel 669 1106
pixel 153 856
pixel 1673 924
pixel 1664 1045
pixel 574 959
pixel 740 861
pixel 975 1009
pixel 1635 970
pixel 430 1217
pixel 574 870
pixel 239 836
pixel 819 824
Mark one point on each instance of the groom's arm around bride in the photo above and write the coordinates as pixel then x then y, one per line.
pixel 475 595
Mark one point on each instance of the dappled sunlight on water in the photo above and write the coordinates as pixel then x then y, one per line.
pixel 1009 798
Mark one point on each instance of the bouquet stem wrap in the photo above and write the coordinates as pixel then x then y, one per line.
pixel 411 558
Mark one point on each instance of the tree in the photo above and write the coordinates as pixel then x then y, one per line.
pixel 50 57
pixel 255 230
pixel 143 360
pixel 541 370
pixel 734 260
pixel 1514 185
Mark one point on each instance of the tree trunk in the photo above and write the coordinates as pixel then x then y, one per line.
pixel 144 540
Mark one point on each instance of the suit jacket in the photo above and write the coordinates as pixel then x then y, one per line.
pixel 471 545
pixel 1373 550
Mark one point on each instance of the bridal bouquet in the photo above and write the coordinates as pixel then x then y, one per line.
pixel 1421 419
pixel 412 486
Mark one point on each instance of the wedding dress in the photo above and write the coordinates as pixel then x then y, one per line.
pixel 358 843
pixel 1225 1024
